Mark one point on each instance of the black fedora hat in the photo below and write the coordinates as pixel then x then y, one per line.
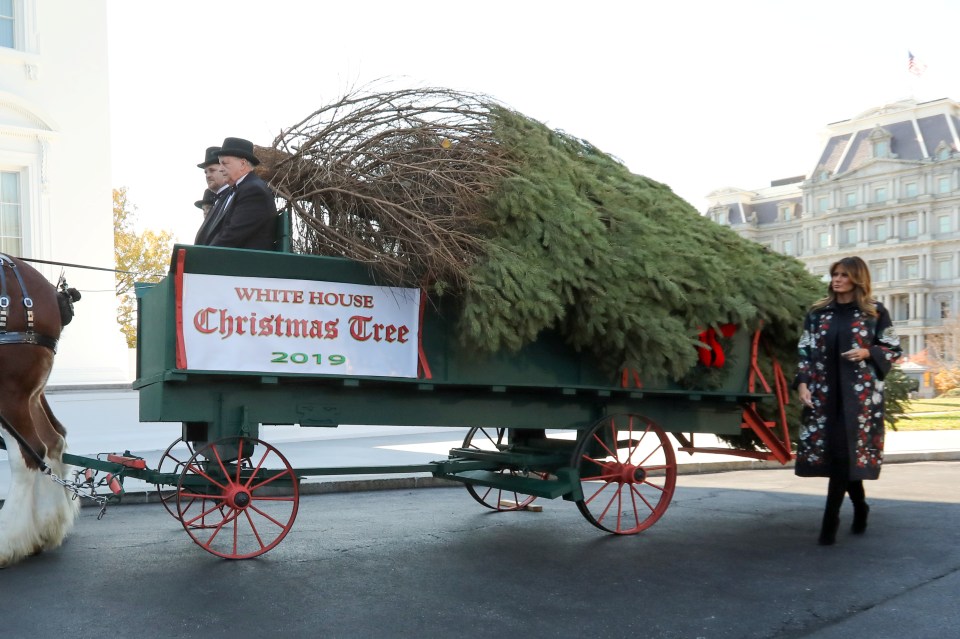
pixel 210 158
pixel 209 197
pixel 238 148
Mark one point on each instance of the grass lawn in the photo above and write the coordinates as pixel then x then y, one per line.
pixel 939 413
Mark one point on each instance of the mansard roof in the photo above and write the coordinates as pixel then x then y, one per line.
pixel 760 213
pixel 914 132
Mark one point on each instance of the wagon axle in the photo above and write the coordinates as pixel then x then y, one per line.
pixel 624 473
pixel 237 497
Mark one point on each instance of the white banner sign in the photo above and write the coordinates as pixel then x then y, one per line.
pixel 299 326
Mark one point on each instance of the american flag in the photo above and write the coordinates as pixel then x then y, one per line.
pixel 914 66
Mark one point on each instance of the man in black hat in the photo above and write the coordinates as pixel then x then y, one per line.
pixel 218 186
pixel 248 218
pixel 206 203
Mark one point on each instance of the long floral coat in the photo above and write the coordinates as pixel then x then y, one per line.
pixel 861 387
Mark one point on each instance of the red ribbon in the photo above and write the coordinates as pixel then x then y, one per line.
pixel 630 376
pixel 713 356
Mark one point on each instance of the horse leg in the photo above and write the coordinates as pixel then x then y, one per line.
pixel 38 512
pixel 54 508
pixel 19 537
pixel 53 420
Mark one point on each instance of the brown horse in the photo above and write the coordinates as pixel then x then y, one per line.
pixel 37 513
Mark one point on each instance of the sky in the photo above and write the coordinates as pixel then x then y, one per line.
pixel 697 94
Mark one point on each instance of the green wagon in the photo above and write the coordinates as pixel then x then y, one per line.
pixel 233 341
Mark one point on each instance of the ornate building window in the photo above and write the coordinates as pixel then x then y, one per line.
pixel 848 235
pixel 944 269
pixel 878 271
pixel 943 184
pixel 8 25
pixel 943 151
pixel 909 268
pixel 880 141
pixel 901 305
pixel 11 228
pixel 910 189
pixel 823 203
pixel 880 194
pixel 878 230
pixel 19 35
pixel 911 227
pixel 719 214
pixel 785 211
pixel 944 224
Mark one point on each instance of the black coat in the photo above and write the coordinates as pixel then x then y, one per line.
pixel 859 385
pixel 212 219
pixel 250 219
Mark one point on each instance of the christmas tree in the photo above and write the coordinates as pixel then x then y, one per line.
pixel 531 229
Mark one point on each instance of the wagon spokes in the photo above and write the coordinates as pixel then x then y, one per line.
pixel 256 504
pixel 493 439
pixel 610 459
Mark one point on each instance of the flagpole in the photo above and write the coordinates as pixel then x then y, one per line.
pixel 916 68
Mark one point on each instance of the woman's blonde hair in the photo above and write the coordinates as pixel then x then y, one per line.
pixel 860 278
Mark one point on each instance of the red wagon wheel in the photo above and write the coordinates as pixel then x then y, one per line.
pixel 173 461
pixel 628 472
pixel 496 498
pixel 246 498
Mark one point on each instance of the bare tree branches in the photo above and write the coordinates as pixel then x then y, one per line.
pixel 395 179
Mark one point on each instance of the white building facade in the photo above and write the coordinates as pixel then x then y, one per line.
pixel 55 191
pixel 886 188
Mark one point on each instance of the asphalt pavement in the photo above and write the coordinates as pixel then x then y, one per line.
pixel 106 421
pixel 734 557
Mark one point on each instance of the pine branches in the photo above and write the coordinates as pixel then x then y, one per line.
pixel 531 228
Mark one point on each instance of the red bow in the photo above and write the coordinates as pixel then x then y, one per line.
pixel 713 355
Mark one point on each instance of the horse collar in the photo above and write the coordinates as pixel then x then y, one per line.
pixel 7 262
pixel 29 336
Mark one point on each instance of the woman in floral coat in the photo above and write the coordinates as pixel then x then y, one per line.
pixel 847 347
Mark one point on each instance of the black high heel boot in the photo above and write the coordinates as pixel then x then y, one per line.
pixel 836 489
pixel 860 512
pixel 828 530
pixel 860 508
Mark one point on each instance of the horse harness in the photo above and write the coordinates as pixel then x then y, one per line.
pixel 28 336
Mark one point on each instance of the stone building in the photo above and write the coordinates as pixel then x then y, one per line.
pixel 55 191
pixel 886 187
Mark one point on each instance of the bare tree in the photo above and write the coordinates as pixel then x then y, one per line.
pixel 393 179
